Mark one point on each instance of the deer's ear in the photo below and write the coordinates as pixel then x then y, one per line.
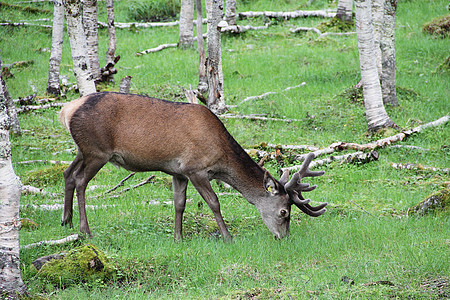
pixel 270 184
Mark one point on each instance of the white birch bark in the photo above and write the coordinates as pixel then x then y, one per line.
pixel 11 283
pixel 388 63
pixel 10 108
pixel 216 102
pixel 230 13
pixel 376 114
pixel 345 10
pixel 111 52
pixel 78 45
pixel 186 36
pixel 202 79
pixel 91 30
pixel 53 87
pixel 377 21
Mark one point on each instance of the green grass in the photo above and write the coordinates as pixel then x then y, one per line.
pixel 384 253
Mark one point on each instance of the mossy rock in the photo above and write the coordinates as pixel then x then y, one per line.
pixel 438 203
pixel 336 25
pixel 46 176
pixel 439 27
pixel 82 264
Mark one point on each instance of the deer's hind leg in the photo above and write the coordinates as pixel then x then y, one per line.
pixel 69 189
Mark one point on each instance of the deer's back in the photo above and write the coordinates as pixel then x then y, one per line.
pixel 142 133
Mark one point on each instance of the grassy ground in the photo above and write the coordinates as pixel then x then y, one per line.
pixel 346 253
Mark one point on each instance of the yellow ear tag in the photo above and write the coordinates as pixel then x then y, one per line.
pixel 269 189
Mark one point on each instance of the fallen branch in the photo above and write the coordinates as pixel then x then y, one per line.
pixel 70 238
pixel 358 157
pixel 15 24
pixel 266 94
pixel 320 33
pixel 148 180
pixel 120 183
pixel 256 117
pixel 57 206
pixel 56 162
pixel 159 48
pixel 37 107
pixel 409 147
pixel 362 208
pixel 146 24
pixel 28 189
pixel 288 15
pixel 241 28
pixel 408 166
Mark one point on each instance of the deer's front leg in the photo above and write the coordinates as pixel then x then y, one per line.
pixel 179 185
pixel 202 185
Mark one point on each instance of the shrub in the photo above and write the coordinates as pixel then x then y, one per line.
pixel 153 10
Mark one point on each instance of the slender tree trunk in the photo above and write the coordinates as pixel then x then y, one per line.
pixel 345 10
pixel 216 103
pixel 376 115
pixel 111 52
pixel 10 107
pixel 53 87
pixel 78 45
pixel 377 21
pixel 90 24
pixel 230 14
pixel 11 284
pixel 388 64
pixel 202 78
pixel 186 39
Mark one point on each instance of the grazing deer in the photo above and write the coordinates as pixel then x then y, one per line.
pixel 184 140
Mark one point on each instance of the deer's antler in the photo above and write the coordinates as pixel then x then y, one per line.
pixel 294 188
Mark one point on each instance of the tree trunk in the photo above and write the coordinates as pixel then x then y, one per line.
pixel 53 87
pixel 216 103
pixel 230 14
pixel 377 21
pixel 376 115
pixel 388 64
pixel 78 45
pixel 202 79
pixel 186 39
pixel 91 30
pixel 345 10
pixel 10 108
pixel 111 52
pixel 11 283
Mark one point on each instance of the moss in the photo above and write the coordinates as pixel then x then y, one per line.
pixel 336 25
pixel 438 203
pixel 439 27
pixel 46 176
pixel 82 264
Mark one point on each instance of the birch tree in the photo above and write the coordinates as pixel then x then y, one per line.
pixel 78 45
pixel 186 37
pixel 216 102
pixel 376 114
pixel 112 41
pixel 388 63
pixel 11 284
pixel 53 87
pixel 345 10
pixel 230 12
pixel 90 25
pixel 10 107
pixel 202 78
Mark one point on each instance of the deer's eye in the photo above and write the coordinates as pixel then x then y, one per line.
pixel 284 213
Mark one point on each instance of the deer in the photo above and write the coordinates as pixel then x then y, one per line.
pixel 184 140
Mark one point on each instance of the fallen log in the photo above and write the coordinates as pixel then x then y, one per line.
pixel 241 28
pixel 28 189
pixel 156 49
pixel 256 117
pixel 288 15
pixel 38 107
pixel 70 238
